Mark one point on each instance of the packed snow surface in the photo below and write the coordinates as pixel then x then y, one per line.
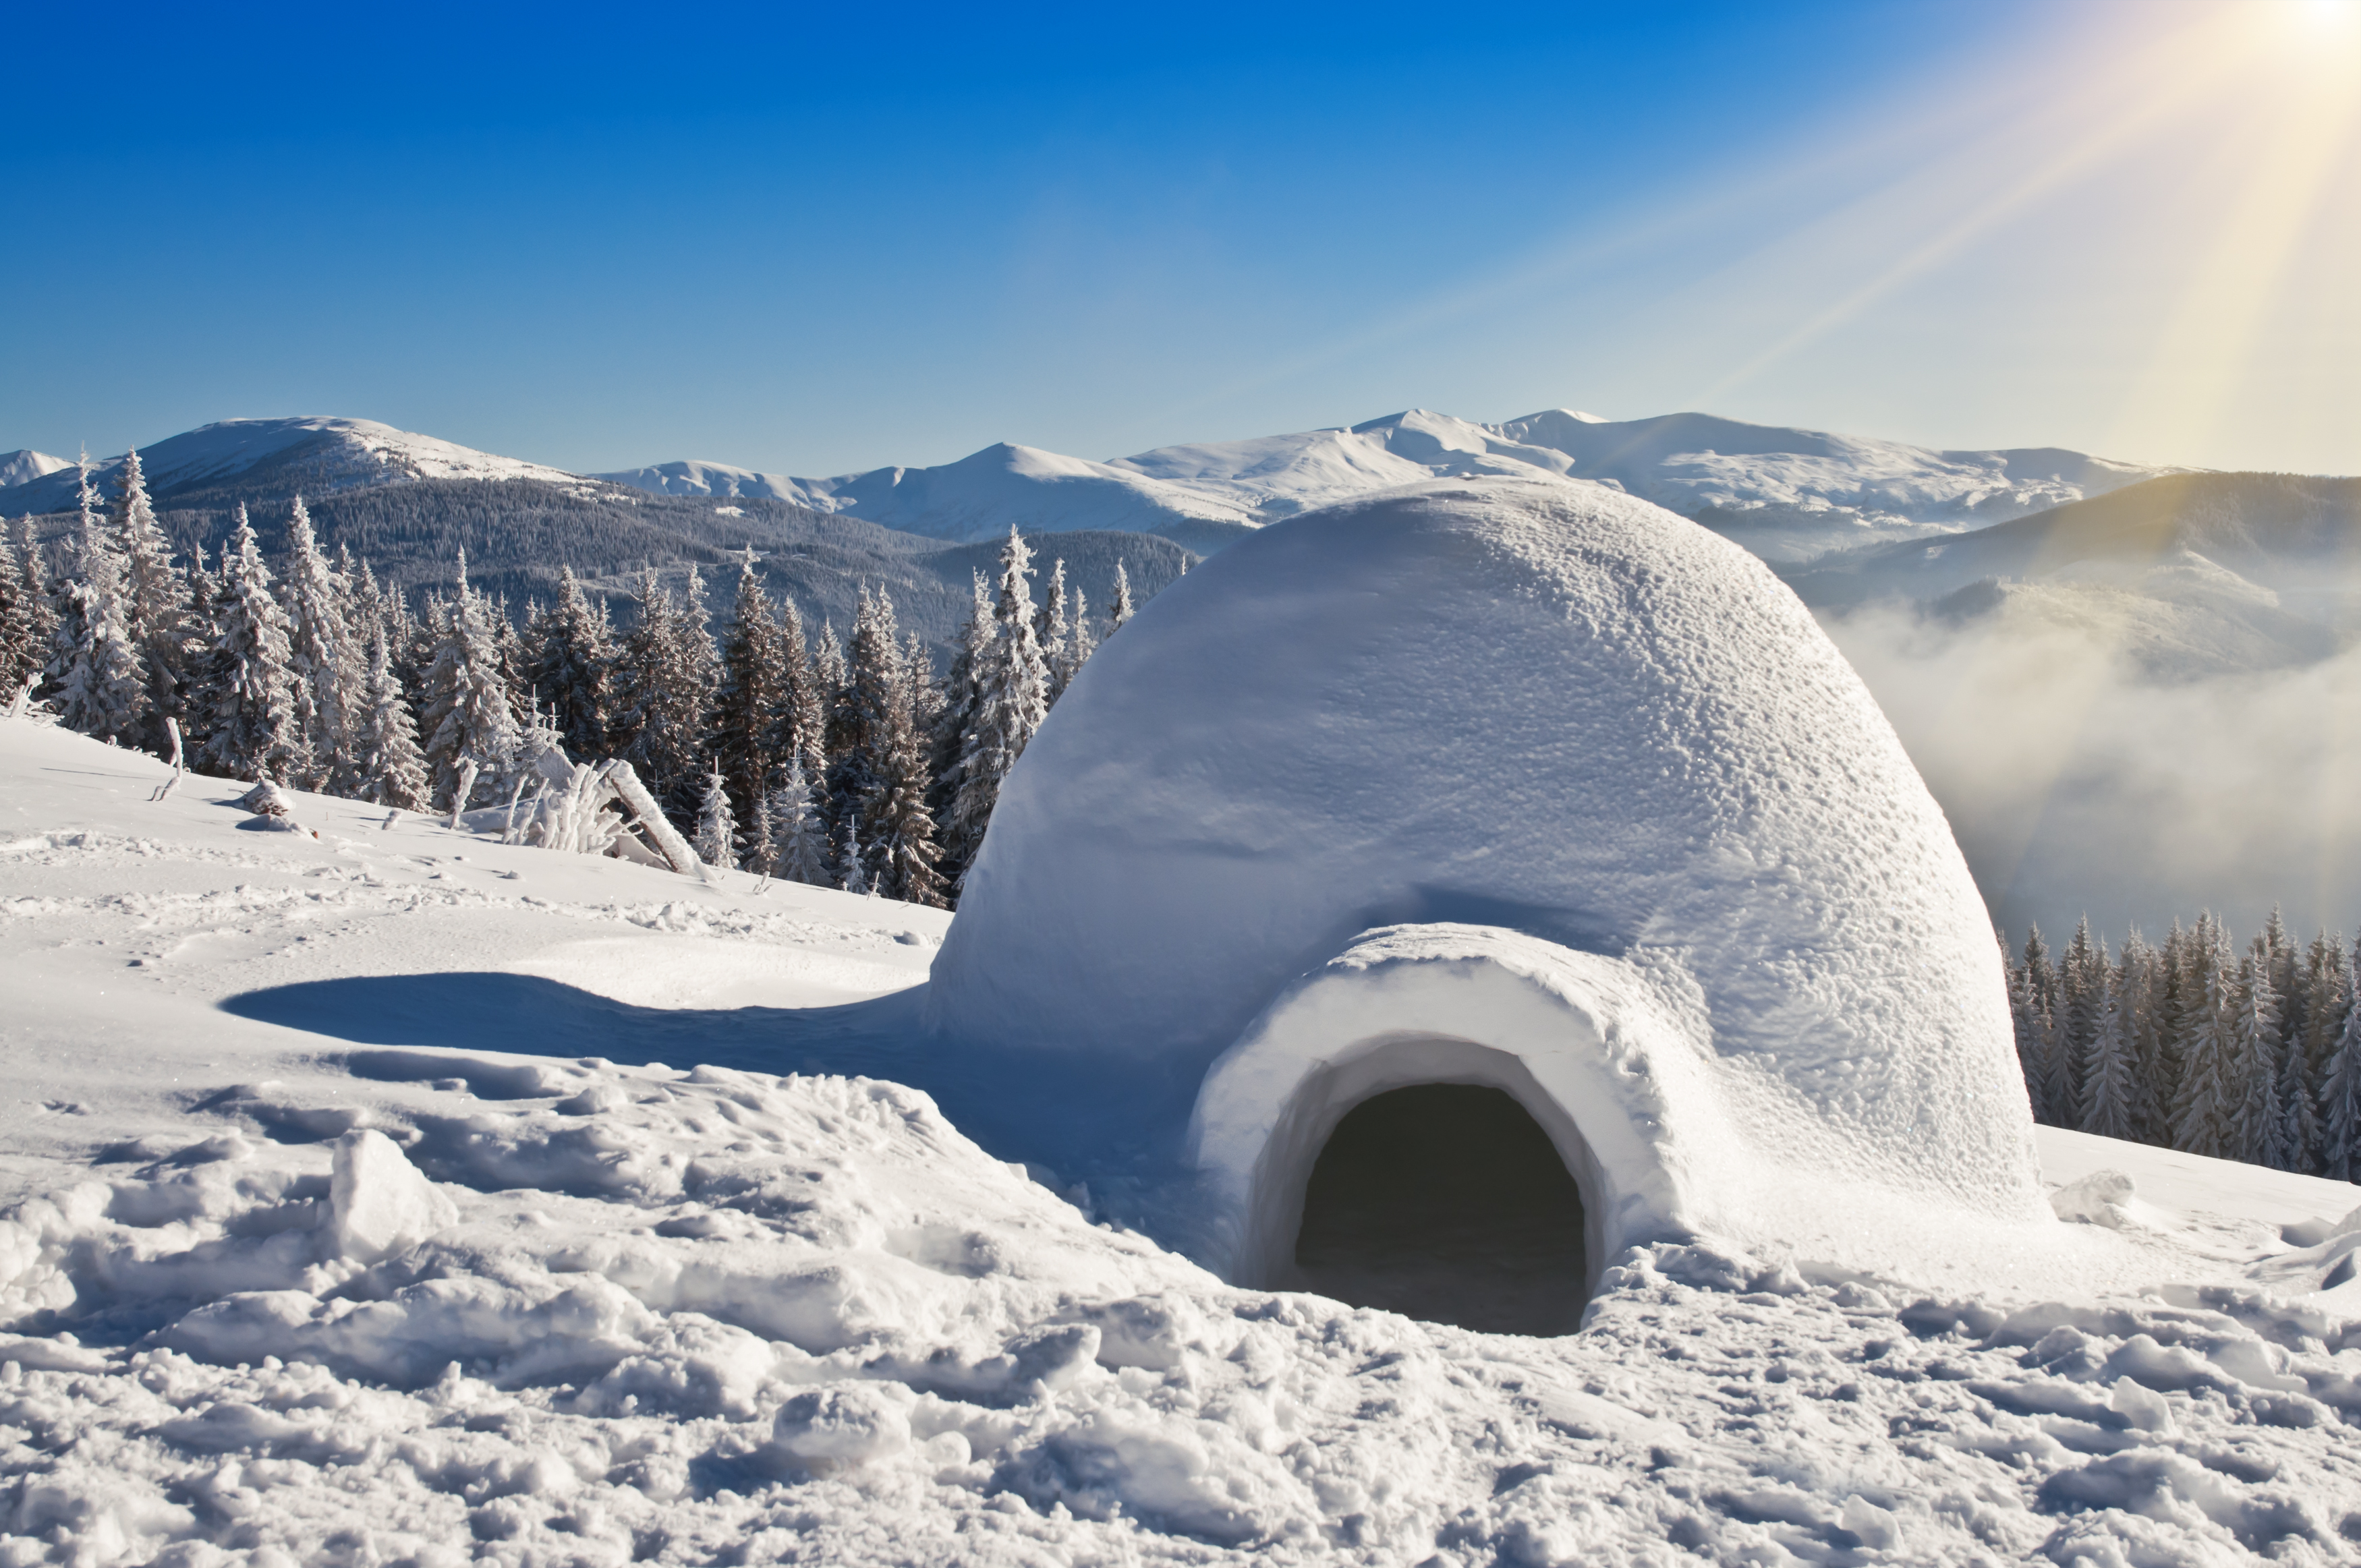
pixel 314 452
pixel 1534 767
pixel 353 1218
pixel 1784 493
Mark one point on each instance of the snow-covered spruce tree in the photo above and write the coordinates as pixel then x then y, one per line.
pixel 2111 1086
pixel 1050 629
pixel 40 600
pixel 880 781
pixel 2081 992
pixel 569 665
pixel 1012 699
pixel 24 649
pixel 752 693
pixel 663 688
pixel 799 832
pixel 1122 609
pixel 2295 1143
pixel 802 732
pixel 717 824
pixel 2138 978
pixel 2207 1102
pixel 102 682
pixel 2323 1022
pixel 761 838
pixel 2340 1091
pixel 957 717
pixel 2031 1027
pixel 852 877
pixel 392 767
pixel 246 688
pixel 1082 644
pixel 326 661
pixel 157 609
pixel 466 715
pixel 2161 1049
pixel 2254 1119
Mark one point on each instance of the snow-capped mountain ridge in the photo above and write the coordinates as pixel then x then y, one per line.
pixel 24 465
pixel 317 455
pixel 1784 493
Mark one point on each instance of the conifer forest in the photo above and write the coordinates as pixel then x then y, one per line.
pixel 777 748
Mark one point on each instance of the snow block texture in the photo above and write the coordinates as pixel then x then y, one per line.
pixel 378 1203
pixel 1528 784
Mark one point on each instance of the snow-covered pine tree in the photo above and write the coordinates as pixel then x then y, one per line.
pixel 717 824
pixel 247 688
pixel 326 661
pixel 1050 629
pixel 855 879
pixel 830 676
pixel 2256 1121
pixel 2031 1027
pixel 643 720
pixel 2038 1045
pixel 1082 644
pixel 40 598
pixel 2111 1085
pixel 2137 980
pixel 904 858
pixel 102 681
pixel 1012 699
pixel 2340 1092
pixel 761 838
pixel 752 693
pixel 570 666
pixel 2323 1022
pixel 797 829
pixel 1122 609
pixel 23 650
pixel 802 732
pixel 393 769
pixel 2296 1141
pixel 960 697
pixel 2162 1050
pixel 2203 1110
pixel 2082 987
pixel 467 716
pixel 157 606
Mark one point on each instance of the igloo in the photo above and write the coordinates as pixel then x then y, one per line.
pixel 1441 892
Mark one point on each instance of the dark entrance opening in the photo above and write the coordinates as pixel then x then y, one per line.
pixel 1447 1202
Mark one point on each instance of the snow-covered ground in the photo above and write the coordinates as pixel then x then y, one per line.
pixel 359 1217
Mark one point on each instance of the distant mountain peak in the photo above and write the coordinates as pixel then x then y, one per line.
pixel 24 465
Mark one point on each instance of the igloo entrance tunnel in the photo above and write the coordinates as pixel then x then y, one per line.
pixel 1440 893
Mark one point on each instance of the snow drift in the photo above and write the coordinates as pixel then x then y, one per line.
pixel 1528 785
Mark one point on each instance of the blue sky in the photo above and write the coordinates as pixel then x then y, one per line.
pixel 821 240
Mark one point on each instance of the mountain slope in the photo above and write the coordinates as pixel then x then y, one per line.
pixel 2287 531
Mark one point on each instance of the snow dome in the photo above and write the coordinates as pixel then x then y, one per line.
pixel 1462 884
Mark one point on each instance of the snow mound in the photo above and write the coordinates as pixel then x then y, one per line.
pixel 1518 783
